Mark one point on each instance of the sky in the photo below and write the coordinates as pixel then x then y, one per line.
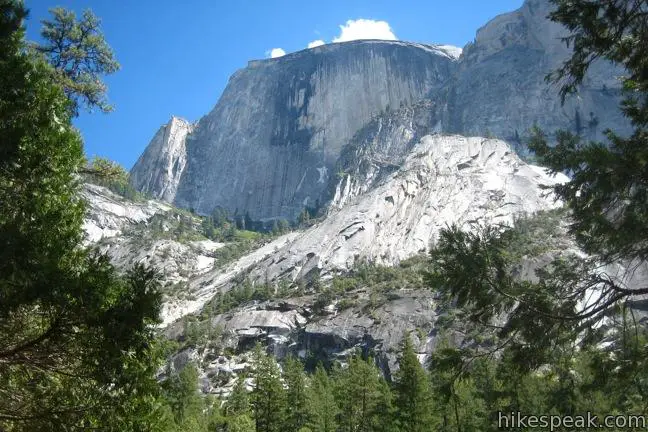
pixel 176 56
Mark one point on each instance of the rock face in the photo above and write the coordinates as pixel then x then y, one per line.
pixel 158 170
pixel 443 180
pixel 278 135
pixel 143 232
pixel 109 215
pixel 291 328
pixel 500 87
pixel 271 142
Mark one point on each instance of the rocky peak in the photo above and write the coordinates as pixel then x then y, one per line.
pixel 269 146
pixel 527 26
pixel 159 168
pixel 276 139
pixel 500 88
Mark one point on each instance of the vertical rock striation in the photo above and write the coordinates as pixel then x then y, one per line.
pixel 285 129
pixel 269 145
pixel 158 170
pixel 271 142
pixel 500 88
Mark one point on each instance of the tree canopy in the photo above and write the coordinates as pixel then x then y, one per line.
pixel 77 347
pixel 79 55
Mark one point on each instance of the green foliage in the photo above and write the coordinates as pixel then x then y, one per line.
pixel 181 393
pixel 380 281
pixel 220 226
pixel 608 192
pixel 304 218
pixel 268 395
pixel 242 293
pixel 104 172
pixel 242 241
pixel 176 224
pixel 241 423
pixel 536 234
pixel 201 333
pixel 246 235
pixel 360 396
pixel 233 251
pixel 77 342
pixel 296 398
pixel 413 393
pixel 309 216
pixel 477 271
pixel 239 401
pixel 322 406
pixel 281 226
pixel 79 55
pixel 465 389
pixel 606 195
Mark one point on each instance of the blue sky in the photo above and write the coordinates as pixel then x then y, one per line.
pixel 177 56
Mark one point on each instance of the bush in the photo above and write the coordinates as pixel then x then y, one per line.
pixel 111 175
pixel 535 234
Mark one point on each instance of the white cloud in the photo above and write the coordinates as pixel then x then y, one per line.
pixel 352 30
pixel 316 43
pixel 365 29
pixel 276 52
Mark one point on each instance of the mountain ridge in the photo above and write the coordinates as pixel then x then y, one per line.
pixel 272 140
pixel 270 146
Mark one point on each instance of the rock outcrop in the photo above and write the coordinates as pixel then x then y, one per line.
pixel 158 170
pixel 500 88
pixel 276 138
pixel 109 215
pixel 269 146
pixel 132 232
pixel 291 328
pixel 444 180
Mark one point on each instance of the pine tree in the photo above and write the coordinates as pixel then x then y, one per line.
pixel 358 395
pixel 237 409
pixel 77 344
pixel 268 396
pixel 297 410
pixel 241 423
pixel 455 395
pixel 79 54
pixel 413 393
pixel 181 392
pixel 385 418
pixel 322 406
pixel 238 401
pixel 284 226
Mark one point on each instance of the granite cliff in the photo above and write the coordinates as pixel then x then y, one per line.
pixel 163 162
pixel 500 89
pixel 283 127
pixel 269 146
pixel 443 179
